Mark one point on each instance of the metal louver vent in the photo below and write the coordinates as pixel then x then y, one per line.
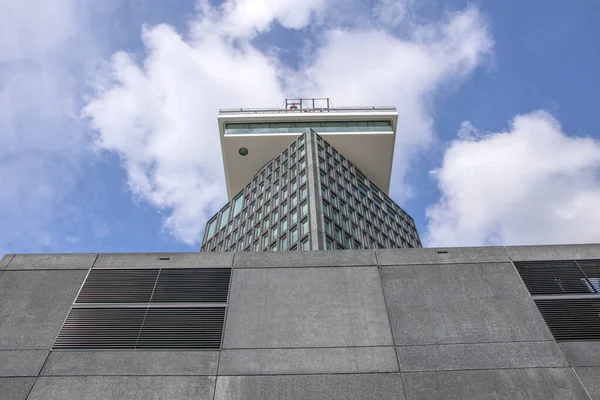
pixel 572 319
pixel 118 286
pixel 209 285
pixel 105 328
pixel 591 268
pixel 553 277
pixel 148 309
pixel 183 328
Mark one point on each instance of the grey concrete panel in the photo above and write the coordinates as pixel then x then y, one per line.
pixel 308 361
pixel 164 260
pixel 450 255
pixel 310 387
pixel 15 388
pixel 21 362
pixel 330 258
pixel 582 354
pixel 460 303
pixel 5 261
pixel 306 307
pixel 131 363
pixel 554 252
pixel 590 378
pixel 480 356
pixel 52 261
pixel 509 384
pixel 123 388
pixel 33 306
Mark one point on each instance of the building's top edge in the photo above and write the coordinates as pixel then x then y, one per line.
pixel 302 111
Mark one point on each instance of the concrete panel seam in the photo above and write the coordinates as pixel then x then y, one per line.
pixel 309 374
pixel 95 259
pixel 445 264
pixel 217 371
pixel 9 261
pixel 483 369
pixel 313 266
pixel 581 383
pixel 486 342
pixel 507 253
pixel 310 347
pixel 387 311
pixel 39 373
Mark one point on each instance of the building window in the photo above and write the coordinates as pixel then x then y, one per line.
pixel 284 244
pixel 224 217
pixel 284 225
pixel 304 227
pixel 303 209
pixel 327 226
pixel 293 200
pixel 303 192
pixel 294 217
pixel 238 203
pixel 212 225
pixel 294 236
pixel 305 244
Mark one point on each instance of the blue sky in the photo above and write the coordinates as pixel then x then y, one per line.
pixel 108 137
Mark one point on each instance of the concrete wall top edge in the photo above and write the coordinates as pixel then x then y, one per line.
pixel 52 261
pixel 319 258
pixel 554 252
pixel 444 255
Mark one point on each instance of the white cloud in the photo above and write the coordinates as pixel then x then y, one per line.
pixel 159 115
pixel 246 18
pixel 532 184
pixel 41 143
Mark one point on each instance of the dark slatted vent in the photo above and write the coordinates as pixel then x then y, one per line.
pixel 104 328
pixel 554 277
pixel 183 328
pixel 118 286
pixel 206 285
pixel 591 268
pixel 572 319
pixel 148 309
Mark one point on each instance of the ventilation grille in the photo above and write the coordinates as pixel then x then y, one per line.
pixel 183 328
pixel 192 285
pixel 554 277
pixel 567 294
pixel 101 328
pixel 118 286
pixel 572 319
pixel 148 309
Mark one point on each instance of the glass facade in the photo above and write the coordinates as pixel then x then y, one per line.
pixel 310 197
pixel 356 214
pixel 264 216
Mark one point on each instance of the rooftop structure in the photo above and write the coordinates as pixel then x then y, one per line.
pixel 364 135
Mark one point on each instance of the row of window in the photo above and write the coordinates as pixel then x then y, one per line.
pixel 299 127
pixel 251 221
pixel 356 213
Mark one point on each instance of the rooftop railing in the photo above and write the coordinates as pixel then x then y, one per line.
pixel 305 110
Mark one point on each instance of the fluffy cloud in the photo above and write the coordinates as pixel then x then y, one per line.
pixel 41 140
pixel 532 184
pixel 159 115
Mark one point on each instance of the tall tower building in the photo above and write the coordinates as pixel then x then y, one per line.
pixel 308 176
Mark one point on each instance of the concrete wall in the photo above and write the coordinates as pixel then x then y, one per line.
pixel 412 324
